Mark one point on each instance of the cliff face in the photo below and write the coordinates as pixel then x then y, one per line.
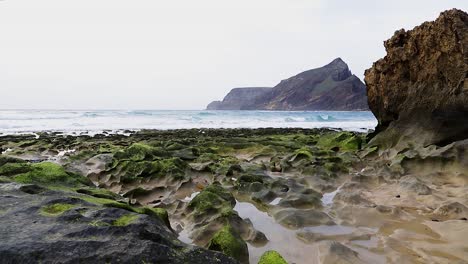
pixel 419 90
pixel 331 87
pixel 238 98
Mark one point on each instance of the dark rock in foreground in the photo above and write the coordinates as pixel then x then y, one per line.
pixel 331 87
pixel 419 90
pixel 63 220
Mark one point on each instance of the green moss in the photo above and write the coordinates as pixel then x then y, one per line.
pixel 139 152
pixel 56 209
pixel 221 192
pixel 302 153
pixel 250 178
pixel 5 159
pixel 229 242
pixel 4 179
pixel 47 173
pixel 125 220
pixel 221 167
pixel 107 202
pixel 206 157
pixel 98 192
pixel 10 169
pixel 131 170
pixel 213 198
pixel 161 213
pixel 272 257
pixel 343 141
pixel 205 201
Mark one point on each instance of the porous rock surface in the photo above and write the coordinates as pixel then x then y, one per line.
pixel 419 90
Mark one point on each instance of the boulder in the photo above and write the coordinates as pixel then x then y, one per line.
pixel 419 90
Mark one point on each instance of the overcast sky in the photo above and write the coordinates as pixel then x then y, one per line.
pixel 155 54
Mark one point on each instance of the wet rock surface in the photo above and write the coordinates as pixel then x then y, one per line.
pixel 63 225
pixel 313 196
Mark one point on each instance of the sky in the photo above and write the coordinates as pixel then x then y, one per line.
pixel 183 54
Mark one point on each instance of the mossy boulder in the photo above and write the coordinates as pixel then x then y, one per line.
pixel 48 174
pixel 230 243
pixel 213 199
pixel 272 257
pixel 139 152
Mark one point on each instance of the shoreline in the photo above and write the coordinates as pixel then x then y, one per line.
pixel 128 132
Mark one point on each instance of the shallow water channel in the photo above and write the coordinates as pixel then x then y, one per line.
pixel 286 241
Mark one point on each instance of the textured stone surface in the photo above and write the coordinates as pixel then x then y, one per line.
pixel 419 90
pixel 85 232
pixel 331 87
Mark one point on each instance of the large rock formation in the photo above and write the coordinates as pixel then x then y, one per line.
pixel 237 98
pixel 419 90
pixel 332 87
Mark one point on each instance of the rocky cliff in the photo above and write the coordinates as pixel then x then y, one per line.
pixel 331 87
pixel 237 98
pixel 419 90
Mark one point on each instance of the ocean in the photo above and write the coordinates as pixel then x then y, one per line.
pixel 97 121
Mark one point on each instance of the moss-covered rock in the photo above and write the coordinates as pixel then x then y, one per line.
pixel 129 170
pixel 56 209
pixel 230 243
pixel 48 173
pixel 343 141
pixel 98 192
pixel 159 213
pixel 272 257
pixel 139 152
pixel 214 199
pixel 125 220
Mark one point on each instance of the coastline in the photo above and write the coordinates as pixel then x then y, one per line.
pixel 307 186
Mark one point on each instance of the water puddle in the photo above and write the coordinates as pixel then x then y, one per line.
pixel 275 201
pixel 7 150
pixel 327 198
pixel 280 238
pixel 190 198
pixel 288 243
pixel 331 230
pixel 184 237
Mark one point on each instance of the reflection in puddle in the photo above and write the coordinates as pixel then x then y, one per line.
pixel 371 243
pixel 280 238
pixel 190 198
pixel 331 230
pixel 327 198
pixel 276 201
pixel 286 241
pixel 184 237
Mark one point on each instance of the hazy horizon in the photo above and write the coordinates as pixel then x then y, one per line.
pixel 155 55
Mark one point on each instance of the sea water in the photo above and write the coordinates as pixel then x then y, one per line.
pixel 74 121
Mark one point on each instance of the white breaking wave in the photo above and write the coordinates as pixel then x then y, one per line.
pixel 76 121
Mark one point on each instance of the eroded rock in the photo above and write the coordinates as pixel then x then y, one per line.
pixel 419 90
